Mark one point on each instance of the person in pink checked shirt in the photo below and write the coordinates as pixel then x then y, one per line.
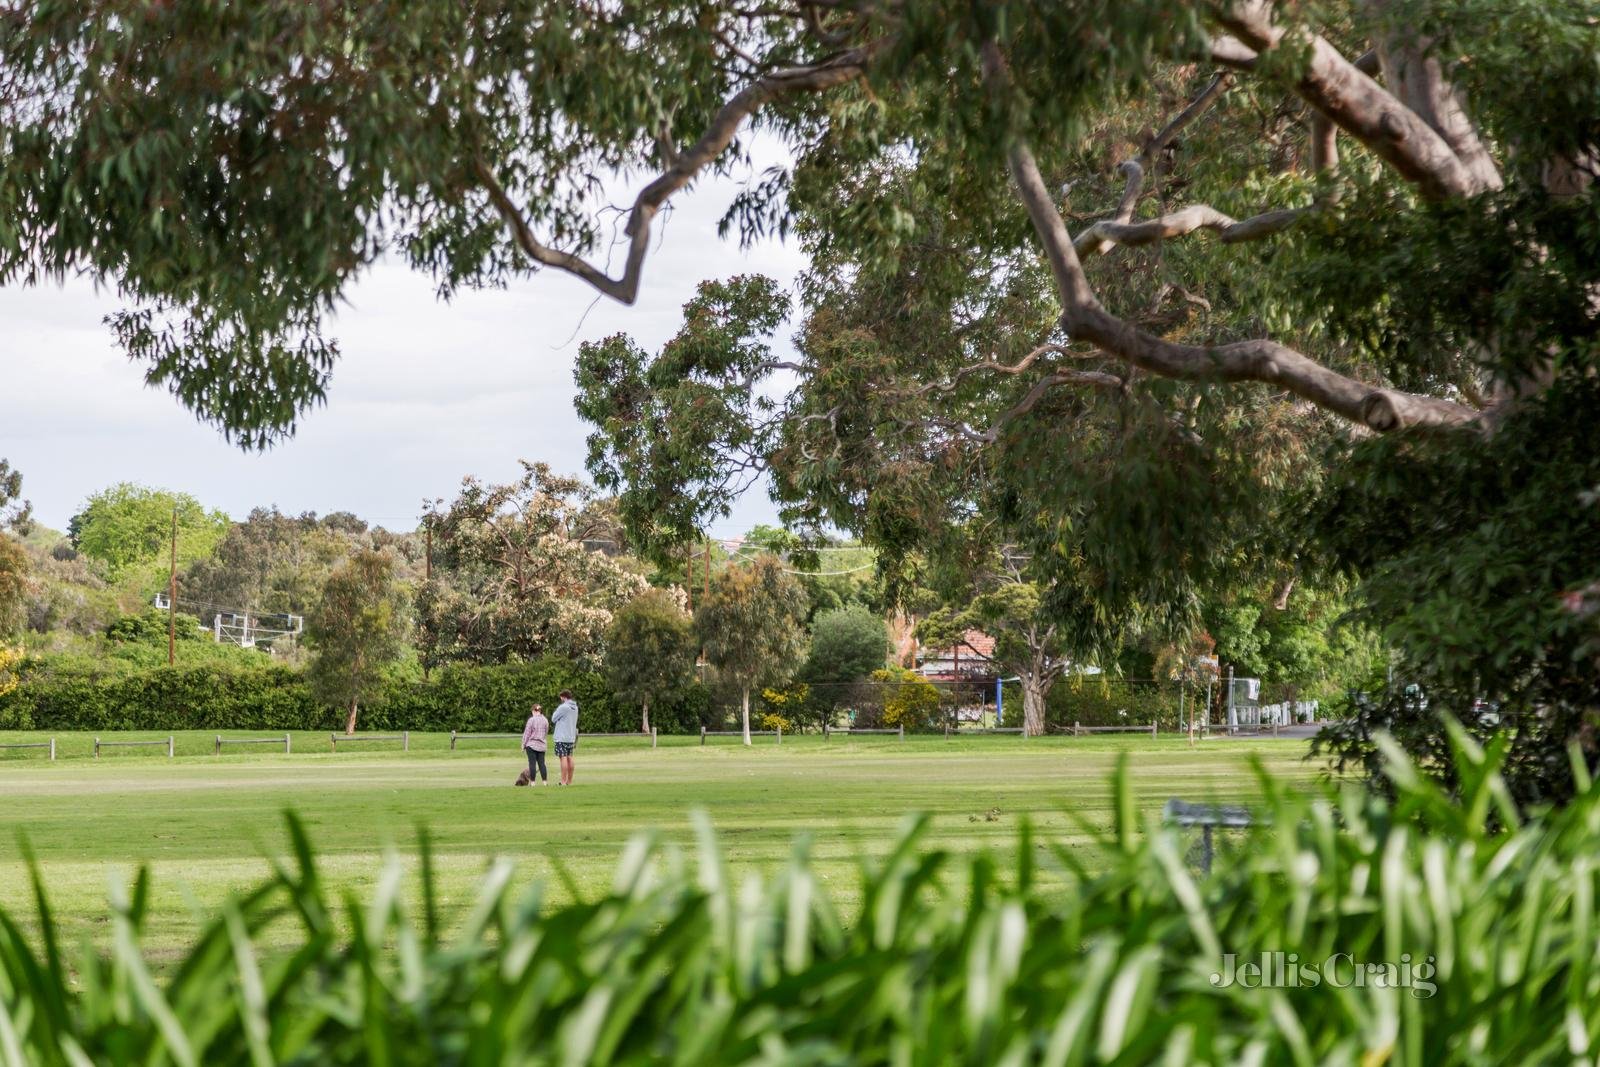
pixel 533 743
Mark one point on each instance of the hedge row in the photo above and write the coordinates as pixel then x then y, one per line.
pixel 75 696
pixel 1106 702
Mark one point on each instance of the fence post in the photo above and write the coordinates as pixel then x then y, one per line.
pixel 169 746
pixel 1074 727
pixel 452 740
pixel 286 742
pixel 1152 727
pixel 52 749
pixel 702 737
pixel 405 740
pixel 219 744
pixel 780 735
pixel 653 737
pixel 333 740
pixel 902 731
pixel 97 748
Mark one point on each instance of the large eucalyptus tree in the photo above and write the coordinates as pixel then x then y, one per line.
pixel 1205 240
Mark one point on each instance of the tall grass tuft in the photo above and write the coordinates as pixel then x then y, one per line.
pixel 947 961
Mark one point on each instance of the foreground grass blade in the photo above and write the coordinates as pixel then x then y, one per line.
pixel 1472 930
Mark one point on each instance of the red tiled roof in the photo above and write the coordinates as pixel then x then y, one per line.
pixel 973 641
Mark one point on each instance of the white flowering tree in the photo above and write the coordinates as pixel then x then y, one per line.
pixel 523 570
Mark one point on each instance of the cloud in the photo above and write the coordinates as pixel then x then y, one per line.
pixel 425 393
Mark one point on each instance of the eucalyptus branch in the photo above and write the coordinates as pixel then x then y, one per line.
pixel 686 166
pixel 1324 134
pixel 1232 53
pixel 1030 400
pixel 1267 361
pixel 1359 105
pixel 1202 103
pixel 990 366
pixel 1107 233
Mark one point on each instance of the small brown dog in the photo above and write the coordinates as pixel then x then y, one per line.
pixel 523 779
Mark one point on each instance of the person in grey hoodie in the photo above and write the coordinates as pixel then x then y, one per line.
pixel 564 732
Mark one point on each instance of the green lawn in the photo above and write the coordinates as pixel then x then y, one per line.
pixel 204 824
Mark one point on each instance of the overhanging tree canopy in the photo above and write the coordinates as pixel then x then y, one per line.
pixel 231 173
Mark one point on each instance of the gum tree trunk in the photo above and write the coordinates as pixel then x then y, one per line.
pixel 745 702
pixel 645 725
pixel 350 721
pixel 1034 691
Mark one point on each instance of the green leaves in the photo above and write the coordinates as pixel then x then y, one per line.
pixel 523 570
pixel 127 528
pixel 358 628
pixel 1469 545
pixel 650 650
pixel 752 623
pixel 680 435
pixel 1482 933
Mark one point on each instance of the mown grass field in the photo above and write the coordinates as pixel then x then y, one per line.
pixel 206 824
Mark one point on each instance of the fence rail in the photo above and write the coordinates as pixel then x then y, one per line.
pixel 1244 728
pixel 899 731
pixel 1078 729
pixel 285 741
pixel 99 744
pixel 454 737
pixel 50 744
pixel 404 737
pixel 637 735
pixel 704 733
pixel 958 731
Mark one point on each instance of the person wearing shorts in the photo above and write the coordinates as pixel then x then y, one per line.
pixel 533 743
pixel 564 732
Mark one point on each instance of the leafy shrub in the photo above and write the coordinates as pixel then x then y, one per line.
pixel 902 697
pixel 788 706
pixel 10 669
pixel 955 959
pixel 1105 702
pixel 150 627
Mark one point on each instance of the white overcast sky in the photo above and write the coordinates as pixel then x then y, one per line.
pixel 424 394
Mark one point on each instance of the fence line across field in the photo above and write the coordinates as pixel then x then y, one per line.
pixel 1078 729
pixel 457 736
pixel 285 741
pixel 828 731
pixel 704 733
pixel 637 735
pixel 1270 728
pixel 99 744
pixel 50 744
pixel 959 731
pixel 403 737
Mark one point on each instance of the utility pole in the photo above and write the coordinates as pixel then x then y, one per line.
pixel 427 570
pixel 172 596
